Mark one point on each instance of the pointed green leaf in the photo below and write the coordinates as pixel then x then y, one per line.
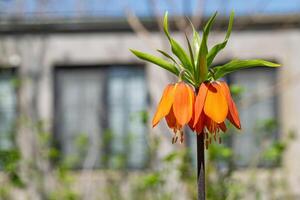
pixel 177 49
pixel 235 65
pixel 196 43
pixel 190 51
pixel 167 55
pixel 181 55
pixel 171 58
pixel 202 63
pixel 166 26
pixel 195 47
pixel 217 48
pixel 196 40
pixel 156 60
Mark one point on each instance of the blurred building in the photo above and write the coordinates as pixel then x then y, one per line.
pixel 80 79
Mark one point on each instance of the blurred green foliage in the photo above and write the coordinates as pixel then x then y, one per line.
pixel 172 176
pixel 9 161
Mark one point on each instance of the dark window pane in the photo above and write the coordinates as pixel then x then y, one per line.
pixel 7 108
pixel 257 105
pixel 78 109
pixel 97 116
pixel 126 101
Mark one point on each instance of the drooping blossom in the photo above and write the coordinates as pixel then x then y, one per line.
pixel 176 105
pixel 213 106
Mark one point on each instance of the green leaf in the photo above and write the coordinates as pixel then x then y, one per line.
pixel 235 65
pixel 195 47
pixel 217 48
pixel 202 62
pixel 177 49
pixel 196 40
pixel 166 26
pixel 181 55
pixel 171 157
pixel 187 75
pixel 167 55
pixel 156 60
pixel 190 51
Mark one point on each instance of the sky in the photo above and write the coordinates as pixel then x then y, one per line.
pixel 142 8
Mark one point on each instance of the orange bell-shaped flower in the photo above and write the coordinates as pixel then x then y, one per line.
pixel 212 106
pixel 176 105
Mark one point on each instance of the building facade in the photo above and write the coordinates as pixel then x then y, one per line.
pixel 85 81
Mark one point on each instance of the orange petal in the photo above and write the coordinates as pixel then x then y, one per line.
pixel 216 106
pixel 191 122
pixel 199 103
pixel 223 127
pixel 184 98
pixel 233 115
pixel 200 124
pixel 165 104
pixel 171 120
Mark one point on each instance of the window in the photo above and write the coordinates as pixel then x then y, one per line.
pixel 98 116
pixel 258 113
pixel 8 104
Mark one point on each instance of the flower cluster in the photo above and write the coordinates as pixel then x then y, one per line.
pixel 198 100
pixel 205 113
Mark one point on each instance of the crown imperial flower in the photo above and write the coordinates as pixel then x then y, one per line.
pixel 212 106
pixel 176 105
pixel 198 100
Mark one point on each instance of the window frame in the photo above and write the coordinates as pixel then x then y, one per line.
pixel 104 123
pixel 275 108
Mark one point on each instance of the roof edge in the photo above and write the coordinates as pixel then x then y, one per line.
pixel 87 24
